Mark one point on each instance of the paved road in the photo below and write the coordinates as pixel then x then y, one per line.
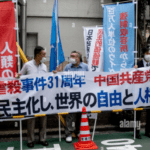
pixel 102 140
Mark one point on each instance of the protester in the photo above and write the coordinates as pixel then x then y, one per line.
pixel 145 62
pixel 75 64
pixel 33 67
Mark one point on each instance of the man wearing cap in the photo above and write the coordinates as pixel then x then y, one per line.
pixel 75 64
pixel 145 62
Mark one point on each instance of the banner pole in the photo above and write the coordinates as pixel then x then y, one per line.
pixel 94 129
pixel 57 30
pixel 117 2
pixel 18 64
pixel 134 124
pixel 59 129
pixel 17 28
pixel 136 61
pixel 20 134
pixel 57 59
pixel 136 32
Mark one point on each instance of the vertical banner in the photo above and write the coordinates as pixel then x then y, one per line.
pixel 88 38
pixel 119 21
pixel 93 38
pixel 8 49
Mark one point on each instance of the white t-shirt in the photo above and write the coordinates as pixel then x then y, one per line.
pixel 31 67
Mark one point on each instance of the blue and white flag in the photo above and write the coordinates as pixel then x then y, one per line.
pixel 118 24
pixel 54 33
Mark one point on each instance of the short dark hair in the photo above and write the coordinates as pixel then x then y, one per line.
pixel 37 50
pixel 80 55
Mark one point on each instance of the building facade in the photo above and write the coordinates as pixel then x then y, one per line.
pixel 73 16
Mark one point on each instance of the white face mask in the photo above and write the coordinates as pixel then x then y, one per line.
pixel 43 60
pixel 73 61
pixel 147 58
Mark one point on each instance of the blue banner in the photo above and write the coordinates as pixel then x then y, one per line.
pixel 119 36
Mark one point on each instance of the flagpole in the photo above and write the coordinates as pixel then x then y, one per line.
pixel 136 61
pixel 57 31
pixel 136 31
pixel 17 28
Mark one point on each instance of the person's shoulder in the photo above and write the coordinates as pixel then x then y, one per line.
pixel 140 63
pixel 68 65
pixel 28 63
pixel 44 65
pixel 25 67
pixel 84 64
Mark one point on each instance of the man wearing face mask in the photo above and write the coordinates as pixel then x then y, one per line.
pixel 75 64
pixel 145 62
pixel 36 66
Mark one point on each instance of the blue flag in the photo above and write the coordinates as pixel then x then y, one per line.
pixel 61 57
pixel 119 37
pixel 54 33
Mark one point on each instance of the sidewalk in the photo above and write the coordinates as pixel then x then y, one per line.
pixel 139 144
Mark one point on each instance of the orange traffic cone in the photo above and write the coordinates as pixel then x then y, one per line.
pixel 84 142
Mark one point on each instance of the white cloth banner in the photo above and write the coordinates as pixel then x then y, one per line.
pixel 93 39
pixel 69 91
